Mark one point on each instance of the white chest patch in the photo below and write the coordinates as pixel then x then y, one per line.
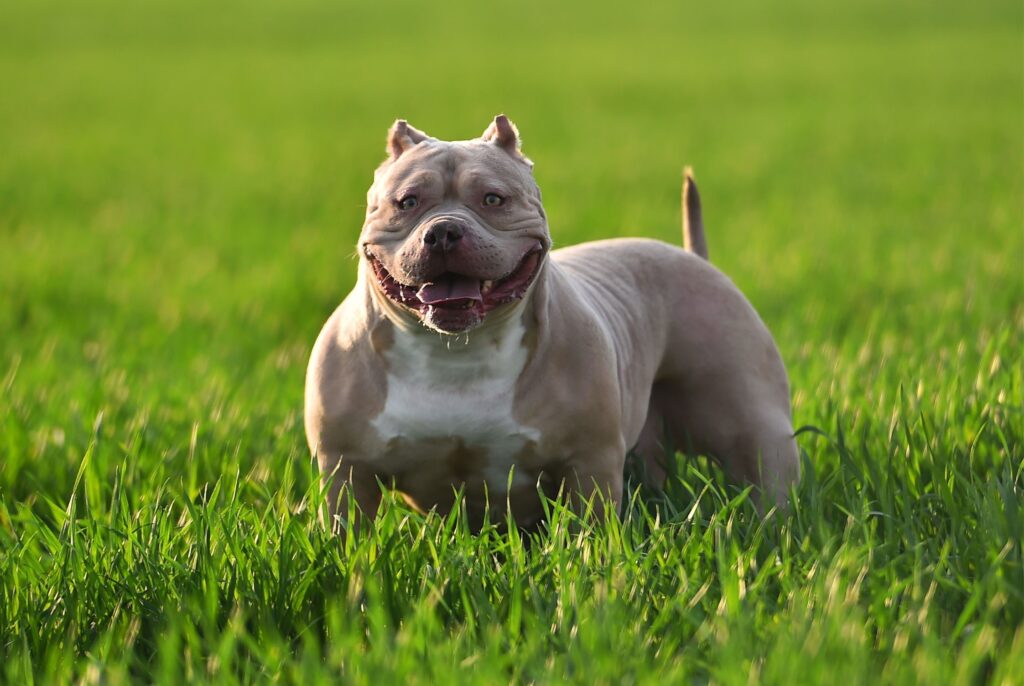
pixel 440 388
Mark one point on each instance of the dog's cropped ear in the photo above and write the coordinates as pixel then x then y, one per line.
pixel 401 137
pixel 503 133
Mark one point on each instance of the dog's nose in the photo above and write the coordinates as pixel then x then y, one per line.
pixel 442 236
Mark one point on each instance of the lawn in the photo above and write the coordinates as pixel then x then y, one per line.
pixel 181 187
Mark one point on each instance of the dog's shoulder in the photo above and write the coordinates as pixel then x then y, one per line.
pixel 342 380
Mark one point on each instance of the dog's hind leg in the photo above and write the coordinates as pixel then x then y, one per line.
pixel 743 429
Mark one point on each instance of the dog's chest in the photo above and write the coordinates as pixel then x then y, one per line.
pixel 449 413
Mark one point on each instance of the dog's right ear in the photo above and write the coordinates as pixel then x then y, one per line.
pixel 503 133
pixel 401 137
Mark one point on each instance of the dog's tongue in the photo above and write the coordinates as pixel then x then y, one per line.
pixel 449 288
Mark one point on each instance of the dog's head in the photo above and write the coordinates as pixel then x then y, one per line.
pixel 454 230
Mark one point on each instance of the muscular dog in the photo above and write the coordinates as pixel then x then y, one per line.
pixel 471 356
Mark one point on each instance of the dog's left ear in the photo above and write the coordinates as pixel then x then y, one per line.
pixel 503 133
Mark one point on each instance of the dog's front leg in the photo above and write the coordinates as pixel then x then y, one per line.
pixel 349 483
pixel 592 484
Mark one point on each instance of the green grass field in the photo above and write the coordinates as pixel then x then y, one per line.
pixel 181 187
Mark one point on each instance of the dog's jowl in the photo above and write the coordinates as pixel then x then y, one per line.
pixel 470 356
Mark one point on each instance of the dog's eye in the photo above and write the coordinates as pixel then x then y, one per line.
pixel 408 202
pixel 493 200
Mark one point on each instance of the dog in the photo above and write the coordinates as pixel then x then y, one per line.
pixel 471 357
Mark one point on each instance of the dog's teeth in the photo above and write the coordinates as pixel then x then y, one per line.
pixel 487 285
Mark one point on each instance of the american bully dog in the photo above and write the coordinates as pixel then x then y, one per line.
pixel 472 357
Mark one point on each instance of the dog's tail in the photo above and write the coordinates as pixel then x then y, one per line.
pixel 693 223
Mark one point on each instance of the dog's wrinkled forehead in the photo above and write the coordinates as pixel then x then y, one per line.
pixel 415 158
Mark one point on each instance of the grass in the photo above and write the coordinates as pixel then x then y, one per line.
pixel 180 192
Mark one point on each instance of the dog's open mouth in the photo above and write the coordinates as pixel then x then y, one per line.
pixel 456 301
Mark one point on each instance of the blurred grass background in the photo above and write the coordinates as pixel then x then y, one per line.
pixel 182 184
pixel 163 162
